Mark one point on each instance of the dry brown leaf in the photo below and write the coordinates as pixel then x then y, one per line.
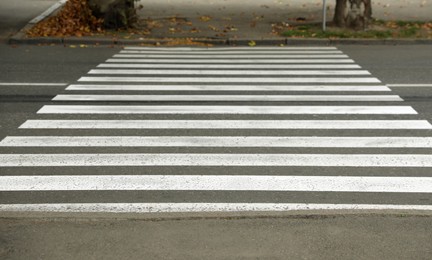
pixel 205 18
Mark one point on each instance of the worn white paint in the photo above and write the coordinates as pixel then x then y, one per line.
pixel 249 87
pixel 216 141
pixel 229 66
pixel 233 61
pixel 199 207
pixel 226 124
pixel 229 72
pixel 246 53
pixel 228 49
pixel 178 109
pixel 135 159
pixel 217 183
pixel 231 56
pixel 229 98
pixel 232 79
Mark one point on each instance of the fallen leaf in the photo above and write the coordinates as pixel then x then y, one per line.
pixel 205 18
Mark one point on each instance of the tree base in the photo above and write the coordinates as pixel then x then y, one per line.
pixel 116 14
pixel 354 14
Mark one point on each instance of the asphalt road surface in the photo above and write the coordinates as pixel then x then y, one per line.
pixel 103 129
pixel 215 130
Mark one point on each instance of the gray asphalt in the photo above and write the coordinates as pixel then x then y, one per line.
pixel 217 236
pixel 295 237
pixel 59 64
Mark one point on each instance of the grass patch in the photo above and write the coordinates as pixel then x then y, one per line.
pixel 378 29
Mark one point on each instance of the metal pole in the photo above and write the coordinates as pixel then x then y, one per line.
pixel 324 16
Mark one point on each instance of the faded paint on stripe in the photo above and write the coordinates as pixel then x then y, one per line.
pixel 230 98
pixel 200 207
pixel 249 87
pixel 228 72
pixel 307 160
pixel 158 109
pixel 216 141
pixel 232 61
pixel 230 56
pixel 232 79
pixel 226 124
pixel 231 66
pixel 217 183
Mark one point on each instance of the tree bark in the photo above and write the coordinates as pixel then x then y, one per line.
pixel 354 14
pixel 340 13
pixel 115 13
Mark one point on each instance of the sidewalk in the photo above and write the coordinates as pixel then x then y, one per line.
pixel 16 14
pixel 223 22
pixel 235 19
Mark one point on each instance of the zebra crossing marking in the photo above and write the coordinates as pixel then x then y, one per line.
pixel 235 61
pixel 257 110
pixel 227 124
pixel 198 207
pixel 230 159
pixel 239 69
pixel 234 52
pixel 231 56
pixel 227 98
pixel 229 49
pixel 230 66
pixel 249 87
pixel 228 72
pixel 217 183
pixel 230 80
pixel 216 141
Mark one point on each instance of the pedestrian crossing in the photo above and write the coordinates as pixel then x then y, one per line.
pixel 157 130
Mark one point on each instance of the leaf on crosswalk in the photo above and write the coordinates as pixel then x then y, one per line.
pixel 205 18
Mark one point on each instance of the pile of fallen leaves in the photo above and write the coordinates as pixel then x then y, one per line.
pixel 75 19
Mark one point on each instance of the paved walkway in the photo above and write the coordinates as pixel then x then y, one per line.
pixel 15 14
pixel 235 19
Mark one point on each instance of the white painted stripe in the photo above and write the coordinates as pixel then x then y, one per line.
pixel 261 52
pixel 32 84
pixel 410 85
pixel 249 87
pixel 228 49
pixel 216 141
pixel 228 72
pixel 232 61
pixel 226 124
pixel 157 109
pixel 271 160
pixel 231 66
pixel 230 80
pixel 199 207
pixel 245 53
pixel 351 98
pixel 217 183
pixel 230 56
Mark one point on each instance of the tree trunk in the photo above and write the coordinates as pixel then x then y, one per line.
pixel 115 13
pixel 354 14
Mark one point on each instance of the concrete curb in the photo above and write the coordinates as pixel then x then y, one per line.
pixel 21 39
